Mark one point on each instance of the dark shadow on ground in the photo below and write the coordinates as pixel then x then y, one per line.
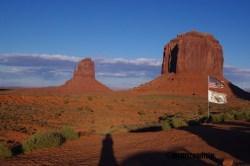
pixel 238 92
pixel 238 123
pixel 234 141
pixel 107 157
pixel 161 158
pixel 146 129
pixel 3 89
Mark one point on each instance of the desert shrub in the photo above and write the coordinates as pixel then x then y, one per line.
pixel 228 116
pixel 239 115
pixel 247 116
pixel 217 118
pixel 90 98
pixel 194 122
pixel 43 140
pixel 166 117
pixel 69 133
pixel 166 125
pixel 4 151
pixel 88 109
pixel 178 122
pixel 203 119
pixel 66 101
pixel 141 113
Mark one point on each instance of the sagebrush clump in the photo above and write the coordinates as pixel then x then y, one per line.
pixel 4 151
pixel 178 122
pixel 166 125
pixel 69 133
pixel 217 118
pixel 43 140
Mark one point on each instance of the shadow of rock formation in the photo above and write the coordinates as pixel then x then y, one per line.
pixel 234 140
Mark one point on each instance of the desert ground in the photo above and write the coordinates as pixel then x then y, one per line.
pixel 120 128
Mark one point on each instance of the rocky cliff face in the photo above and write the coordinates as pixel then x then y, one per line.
pixel 193 53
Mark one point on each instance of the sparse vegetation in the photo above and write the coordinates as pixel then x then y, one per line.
pixel 178 122
pixel 88 109
pixel 43 140
pixel 66 101
pixel 172 122
pixel 69 133
pixel 4 151
pixel 165 125
pixel 228 116
pixel 239 115
pixel 141 113
pixel 90 98
pixel 217 118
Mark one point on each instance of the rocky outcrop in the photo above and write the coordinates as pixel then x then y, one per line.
pixel 84 79
pixel 193 53
pixel 187 61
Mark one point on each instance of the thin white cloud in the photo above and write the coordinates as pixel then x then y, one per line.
pixel 17 69
pixel 235 70
pixel 137 61
pixel 239 76
pixel 60 57
pixel 123 74
pixel 42 56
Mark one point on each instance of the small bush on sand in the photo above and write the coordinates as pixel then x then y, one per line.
pixel 178 122
pixel 69 133
pixel 203 119
pixel 247 116
pixel 228 116
pixel 4 151
pixel 217 118
pixel 90 98
pixel 43 140
pixel 239 115
pixel 165 125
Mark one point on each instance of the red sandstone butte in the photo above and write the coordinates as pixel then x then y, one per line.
pixel 84 79
pixel 193 53
pixel 187 61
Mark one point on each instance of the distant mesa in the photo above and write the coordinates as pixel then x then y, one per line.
pixel 84 79
pixel 187 61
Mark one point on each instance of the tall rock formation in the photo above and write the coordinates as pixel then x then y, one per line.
pixel 84 79
pixel 193 53
pixel 187 61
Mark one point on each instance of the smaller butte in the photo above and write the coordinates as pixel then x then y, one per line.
pixel 84 79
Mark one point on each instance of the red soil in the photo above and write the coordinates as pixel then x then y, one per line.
pixel 148 147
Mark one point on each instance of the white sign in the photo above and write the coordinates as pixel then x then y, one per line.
pixel 216 97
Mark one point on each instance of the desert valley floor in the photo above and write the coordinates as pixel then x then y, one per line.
pixel 95 115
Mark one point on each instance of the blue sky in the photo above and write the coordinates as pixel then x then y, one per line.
pixel 126 29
